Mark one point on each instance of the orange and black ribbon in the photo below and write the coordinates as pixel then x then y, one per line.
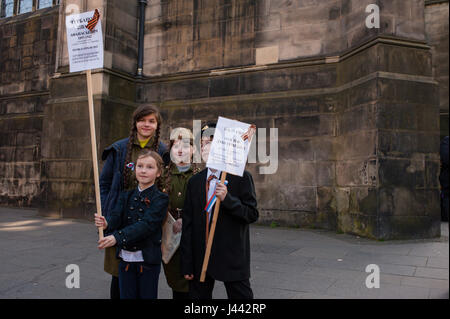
pixel 93 22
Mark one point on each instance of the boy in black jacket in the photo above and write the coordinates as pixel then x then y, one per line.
pixel 230 253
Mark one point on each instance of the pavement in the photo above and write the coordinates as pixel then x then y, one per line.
pixel 285 263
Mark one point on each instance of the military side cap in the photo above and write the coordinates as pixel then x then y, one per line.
pixel 209 129
pixel 181 133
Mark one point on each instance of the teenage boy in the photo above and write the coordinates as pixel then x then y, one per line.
pixel 230 252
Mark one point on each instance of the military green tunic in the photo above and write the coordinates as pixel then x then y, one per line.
pixel 111 263
pixel 177 193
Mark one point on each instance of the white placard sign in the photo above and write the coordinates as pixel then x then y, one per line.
pixel 85 46
pixel 230 146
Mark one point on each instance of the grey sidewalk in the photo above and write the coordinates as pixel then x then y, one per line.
pixel 286 263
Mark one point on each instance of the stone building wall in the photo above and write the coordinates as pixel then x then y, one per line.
pixel 436 26
pixel 67 179
pixel 336 91
pixel 356 109
pixel 27 60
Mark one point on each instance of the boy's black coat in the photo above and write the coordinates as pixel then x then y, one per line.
pixel 136 222
pixel 230 252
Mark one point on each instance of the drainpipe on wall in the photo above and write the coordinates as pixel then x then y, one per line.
pixel 142 5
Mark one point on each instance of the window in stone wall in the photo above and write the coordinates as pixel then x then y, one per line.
pixel 7 8
pixel 45 4
pixel 25 6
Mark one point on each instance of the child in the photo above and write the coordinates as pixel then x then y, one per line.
pixel 135 228
pixel 230 253
pixel 174 183
pixel 118 171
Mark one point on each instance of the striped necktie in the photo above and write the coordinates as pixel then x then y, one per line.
pixel 210 178
pixel 208 182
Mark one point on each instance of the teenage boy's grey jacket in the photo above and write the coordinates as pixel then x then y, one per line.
pixel 230 252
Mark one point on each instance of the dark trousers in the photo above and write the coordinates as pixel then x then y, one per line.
pixel 177 295
pixel 138 280
pixel 114 290
pixel 235 289
pixel 444 205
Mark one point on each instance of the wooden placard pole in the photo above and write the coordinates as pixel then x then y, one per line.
pixel 94 148
pixel 211 233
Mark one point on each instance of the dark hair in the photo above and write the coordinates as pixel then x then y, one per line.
pixel 139 113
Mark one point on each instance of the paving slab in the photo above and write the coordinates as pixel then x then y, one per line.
pixel 286 263
pixel 427 272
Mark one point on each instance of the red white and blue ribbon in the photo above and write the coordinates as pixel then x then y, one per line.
pixel 212 200
pixel 130 165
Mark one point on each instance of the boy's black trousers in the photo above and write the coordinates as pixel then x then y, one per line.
pixel 235 289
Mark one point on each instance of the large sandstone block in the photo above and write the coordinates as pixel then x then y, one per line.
pixel 286 218
pixel 284 80
pixel 303 198
pixel 366 92
pixel 408 173
pixel 69 170
pixel 356 145
pixel 412 145
pixel 358 224
pixel 404 201
pixel 406 116
pixel 420 92
pixel 77 86
pixel 359 118
pixel 359 172
pixel 408 227
pixel 306 126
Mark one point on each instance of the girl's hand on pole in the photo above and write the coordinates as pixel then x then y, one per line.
pixel 106 242
pixel 100 221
